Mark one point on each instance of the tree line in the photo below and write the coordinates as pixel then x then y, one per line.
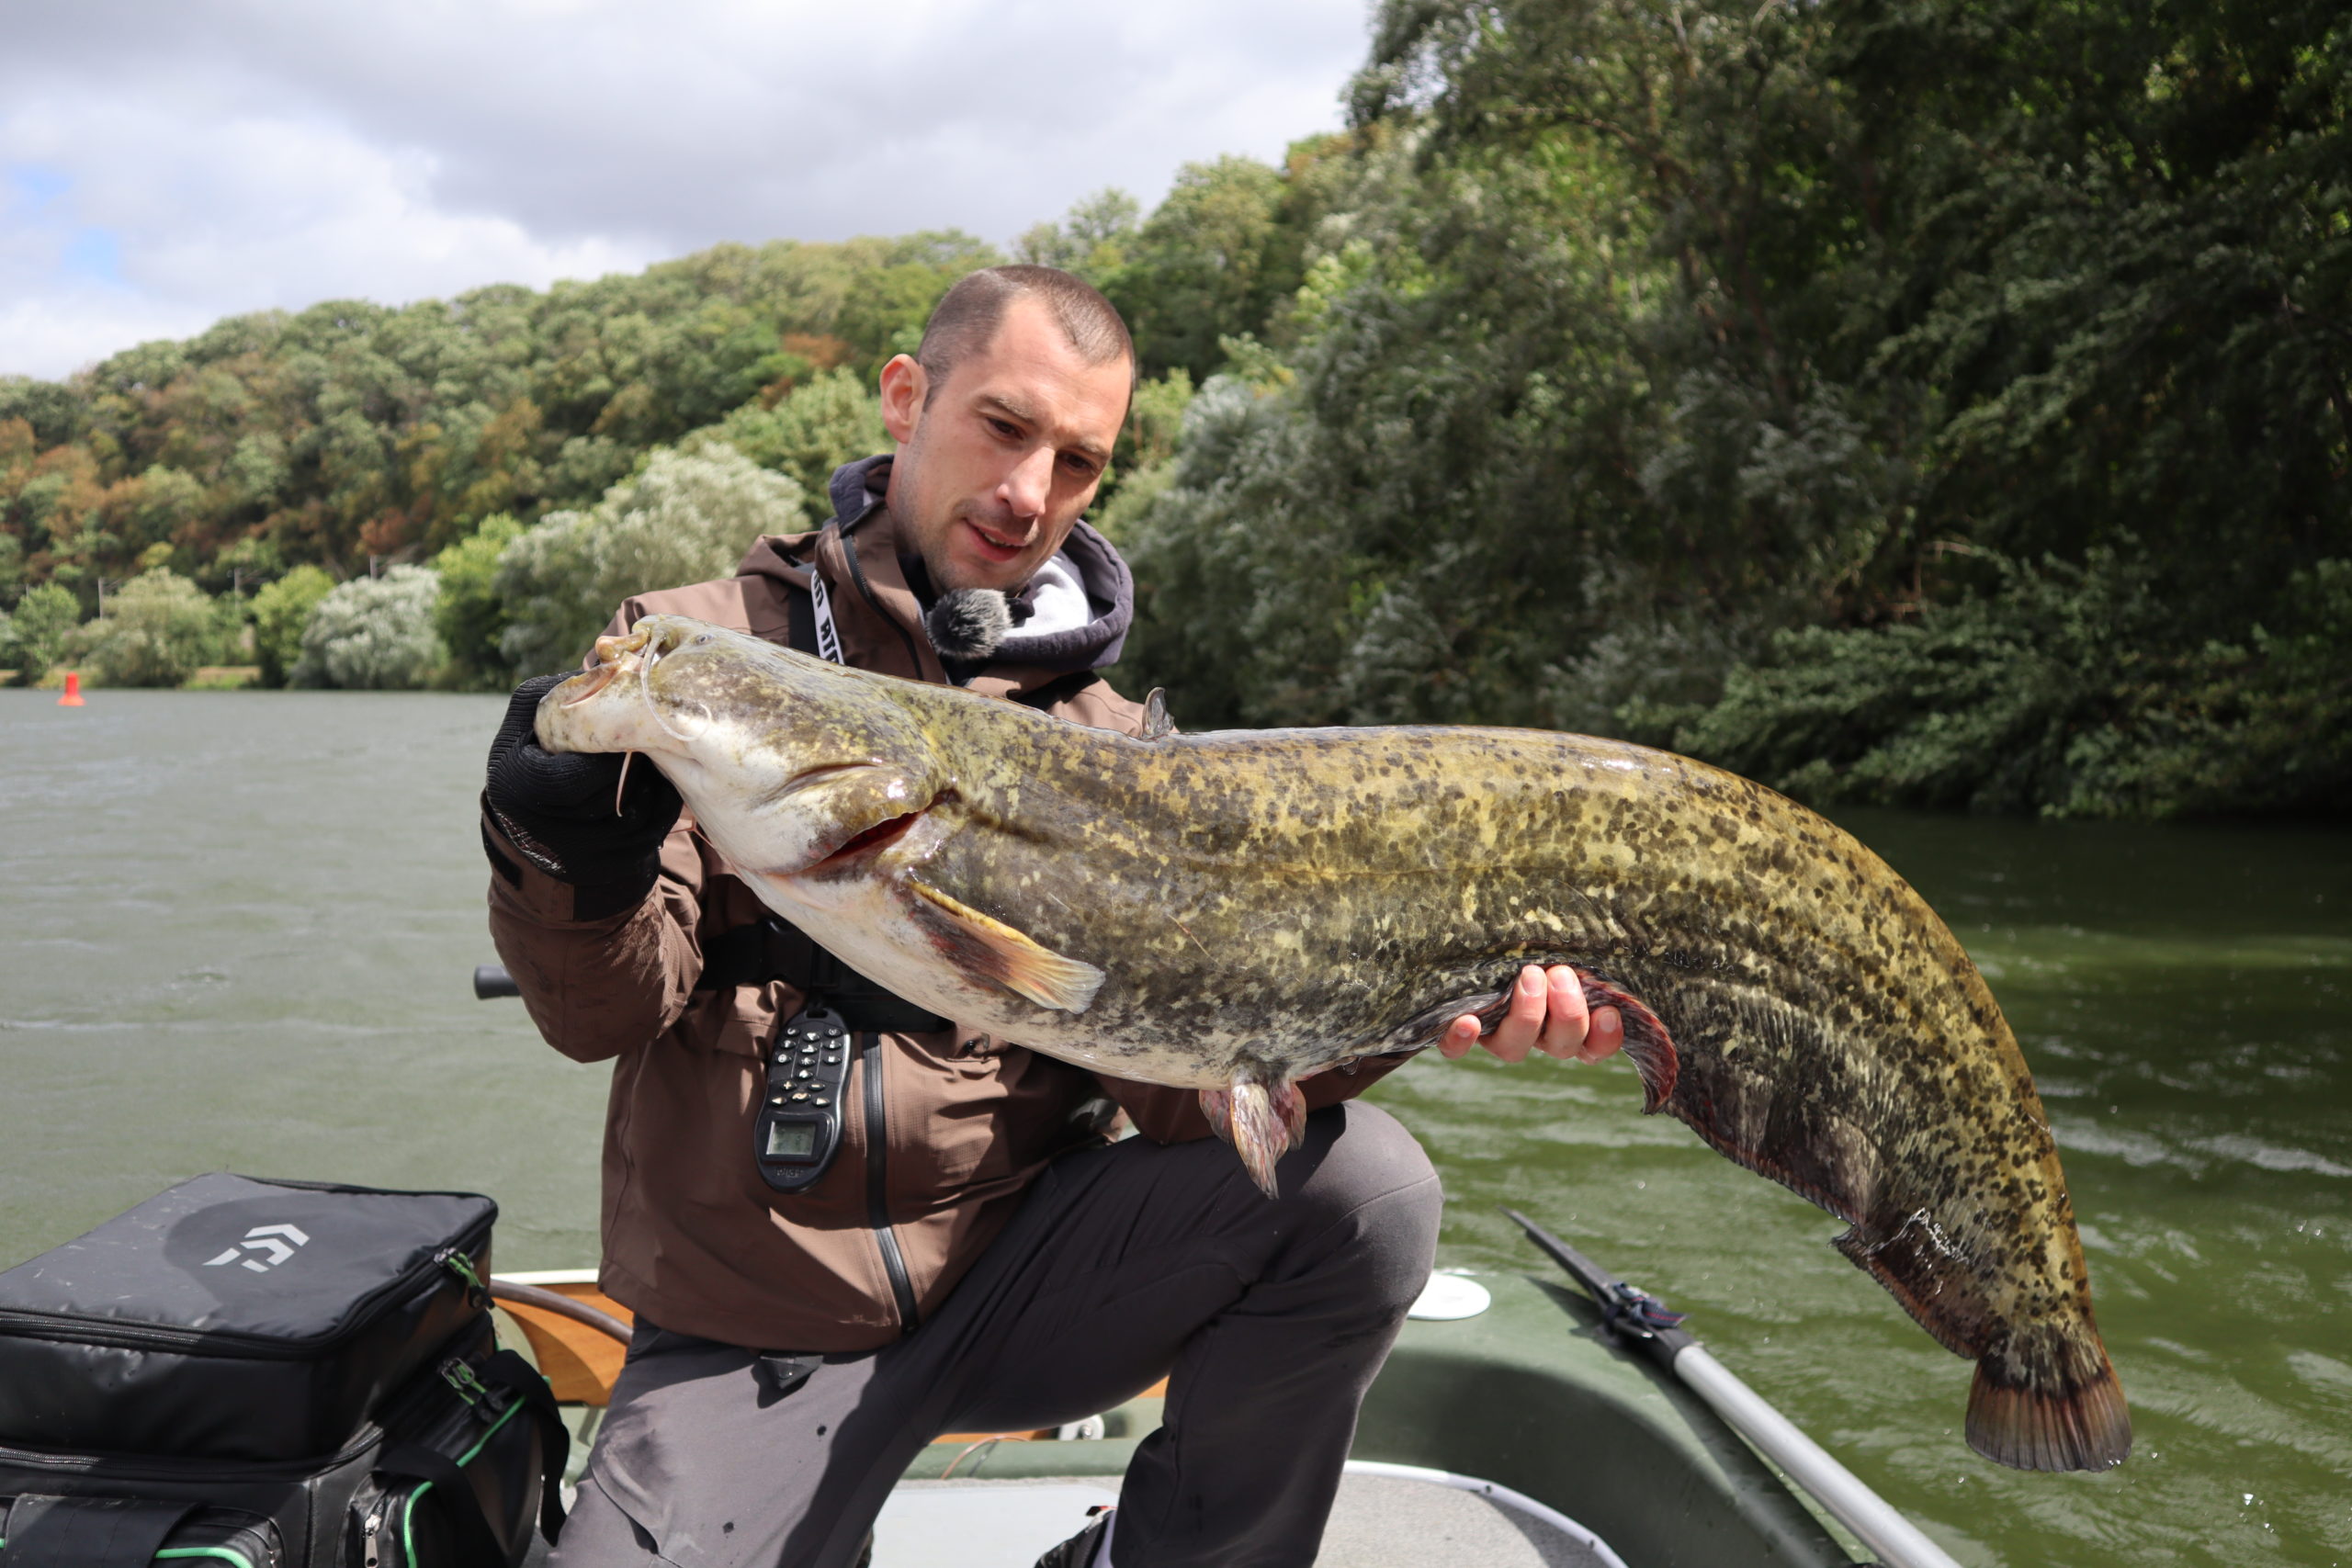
pixel 1927 403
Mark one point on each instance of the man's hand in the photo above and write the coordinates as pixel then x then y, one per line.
pixel 567 811
pixel 1547 1012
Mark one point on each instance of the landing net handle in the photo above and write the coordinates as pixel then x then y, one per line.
pixel 1641 1322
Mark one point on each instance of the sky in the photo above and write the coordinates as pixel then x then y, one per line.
pixel 166 162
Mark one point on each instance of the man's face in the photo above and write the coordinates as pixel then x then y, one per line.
pixel 995 469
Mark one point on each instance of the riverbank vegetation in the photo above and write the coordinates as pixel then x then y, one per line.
pixel 1898 401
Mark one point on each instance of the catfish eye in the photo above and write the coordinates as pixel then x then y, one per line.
pixel 702 640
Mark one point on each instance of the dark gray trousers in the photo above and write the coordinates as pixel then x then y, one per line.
pixel 1124 1264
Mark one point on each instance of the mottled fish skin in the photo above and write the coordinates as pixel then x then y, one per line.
pixel 1263 905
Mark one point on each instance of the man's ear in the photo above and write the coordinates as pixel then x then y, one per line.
pixel 904 383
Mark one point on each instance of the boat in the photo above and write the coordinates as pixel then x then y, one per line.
pixel 1520 1420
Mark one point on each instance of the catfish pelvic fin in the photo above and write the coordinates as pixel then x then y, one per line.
pixel 1156 725
pixel 988 948
pixel 1263 1121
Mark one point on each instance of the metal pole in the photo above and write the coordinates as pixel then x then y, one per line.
pixel 1640 1322
pixel 1871 1518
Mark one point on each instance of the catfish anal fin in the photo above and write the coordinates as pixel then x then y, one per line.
pixel 980 946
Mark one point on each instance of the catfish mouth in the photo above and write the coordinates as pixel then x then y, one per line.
pixel 864 845
pixel 613 657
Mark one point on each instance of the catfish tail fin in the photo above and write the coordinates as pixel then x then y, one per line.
pixel 2047 1398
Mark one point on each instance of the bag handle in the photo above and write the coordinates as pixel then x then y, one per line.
pixel 90 1532
pixel 509 1371
pixel 476 1542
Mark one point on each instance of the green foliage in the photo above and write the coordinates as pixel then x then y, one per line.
pixel 1704 374
pixel 469 617
pixel 1092 240
pixel 33 638
pixel 2058 693
pixel 832 419
pixel 156 630
pixel 374 634
pixel 1212 261
pixel 1143 460
pixel 279 613
pixel 1634 349
pixel 686 518
pixel 351 431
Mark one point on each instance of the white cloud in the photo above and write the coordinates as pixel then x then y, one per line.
pixel 176 163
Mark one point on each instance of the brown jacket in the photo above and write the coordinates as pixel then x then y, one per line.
pixel 693 1239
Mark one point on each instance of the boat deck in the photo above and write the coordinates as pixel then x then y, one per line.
pixel 1507 1429
pixel 1379 1521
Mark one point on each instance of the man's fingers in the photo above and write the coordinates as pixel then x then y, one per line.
pixel 1514 1037
pixel 1607 1035
pixel 1567 1018
pixel 1547 1009
pixel 1459 1036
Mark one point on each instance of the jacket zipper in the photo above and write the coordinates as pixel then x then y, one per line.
pixel 878 1186
pixel 77 1329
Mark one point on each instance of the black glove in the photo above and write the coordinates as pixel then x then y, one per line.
pixel 557 807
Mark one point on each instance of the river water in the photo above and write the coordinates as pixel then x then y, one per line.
pixel 238 928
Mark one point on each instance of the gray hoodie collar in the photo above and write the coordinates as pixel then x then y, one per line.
pixel 858 491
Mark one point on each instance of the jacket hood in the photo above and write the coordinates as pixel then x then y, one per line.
pixel 1074 614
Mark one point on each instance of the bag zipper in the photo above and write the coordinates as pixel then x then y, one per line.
pixel 75 1328
pixel 878 1186
pixel 138 1467
pixel 130 1467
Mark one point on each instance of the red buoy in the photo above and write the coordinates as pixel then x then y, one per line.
pixel 73 697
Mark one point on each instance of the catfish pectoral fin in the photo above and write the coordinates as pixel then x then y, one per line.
pixel 992 950
pixel 1263 1121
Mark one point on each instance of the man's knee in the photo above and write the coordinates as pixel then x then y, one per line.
pixel 1372 1186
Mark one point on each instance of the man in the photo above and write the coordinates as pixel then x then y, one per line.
pixel 978 1255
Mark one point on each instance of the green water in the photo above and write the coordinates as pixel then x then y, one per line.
pixel 238 927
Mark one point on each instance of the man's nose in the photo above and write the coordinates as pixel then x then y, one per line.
pixel 1030 481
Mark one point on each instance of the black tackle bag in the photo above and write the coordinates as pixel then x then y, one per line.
pixel 240 1373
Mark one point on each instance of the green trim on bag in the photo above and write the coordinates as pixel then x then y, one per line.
pixel 408 1514
pixel 226 1553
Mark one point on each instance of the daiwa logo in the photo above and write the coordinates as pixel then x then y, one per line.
pixel 263 1239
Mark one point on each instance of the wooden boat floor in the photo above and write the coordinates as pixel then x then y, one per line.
pixel 1378 1522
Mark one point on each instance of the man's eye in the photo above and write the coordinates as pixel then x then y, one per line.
pixel 1005 428
pixel 1083 468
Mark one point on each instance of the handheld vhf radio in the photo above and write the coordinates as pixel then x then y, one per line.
pixel 799 1126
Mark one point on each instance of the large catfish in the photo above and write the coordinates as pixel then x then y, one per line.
pixel 1233 912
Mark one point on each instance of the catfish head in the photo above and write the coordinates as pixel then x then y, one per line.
pixel 807 777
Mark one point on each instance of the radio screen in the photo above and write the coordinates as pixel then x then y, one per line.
pixel 791 1140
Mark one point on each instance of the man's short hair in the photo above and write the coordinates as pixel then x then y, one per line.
pixel 965 319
